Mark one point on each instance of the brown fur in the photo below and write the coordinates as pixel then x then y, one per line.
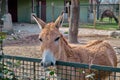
pixel 96 52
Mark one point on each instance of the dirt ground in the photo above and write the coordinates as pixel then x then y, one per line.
pixel 25 40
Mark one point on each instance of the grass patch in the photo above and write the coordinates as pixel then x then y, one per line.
pixel 66 32
pixel 108 20
pixel 101 26
pixel 65 25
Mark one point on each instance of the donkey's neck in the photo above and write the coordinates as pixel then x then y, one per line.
pixel 69 52
pixel 66 49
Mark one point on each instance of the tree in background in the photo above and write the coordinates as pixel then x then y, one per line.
pixel 119 16
pixel 74 21
pixel 98 4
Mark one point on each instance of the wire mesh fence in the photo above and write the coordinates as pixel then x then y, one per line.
pixel 30 69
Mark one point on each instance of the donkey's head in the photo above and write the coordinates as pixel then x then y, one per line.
pixel 49 40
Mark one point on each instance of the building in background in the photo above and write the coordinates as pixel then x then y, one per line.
pixel 47 10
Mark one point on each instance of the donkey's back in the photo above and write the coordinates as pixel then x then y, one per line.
pixel 98 52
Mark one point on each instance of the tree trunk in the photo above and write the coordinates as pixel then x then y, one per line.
pixel 119 15
pixel 94 13
pixel 74 21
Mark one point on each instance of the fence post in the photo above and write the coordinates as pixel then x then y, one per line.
pixel 94 13
pixel 68 9
pixel 52 4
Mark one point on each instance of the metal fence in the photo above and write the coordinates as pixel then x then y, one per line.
pixel 30 69
pixel 88 13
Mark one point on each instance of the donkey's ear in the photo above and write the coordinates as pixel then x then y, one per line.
pixel 59 20
pixel 40 22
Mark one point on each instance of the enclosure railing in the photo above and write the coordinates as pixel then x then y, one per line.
pixel 25 68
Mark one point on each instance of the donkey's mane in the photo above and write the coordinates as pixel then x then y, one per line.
pixel 68 49
pixel 94 42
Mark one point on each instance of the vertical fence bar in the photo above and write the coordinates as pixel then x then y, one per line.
pixel 62 68
pixel 66 72
pixel 99 75
pixel 75 73
pixel 19 72
pixel 13 66
pixel 114 75
pixel 70 73
pixel 109 76
pixel 30 69
pixel 34 72
pixel 23 69
pixel 27 71
pixel 3 65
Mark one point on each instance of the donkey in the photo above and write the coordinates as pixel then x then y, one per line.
pixel 54 47
pixel 110 14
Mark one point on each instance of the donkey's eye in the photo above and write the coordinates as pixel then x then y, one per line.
pixel 40 39
pixel 57 38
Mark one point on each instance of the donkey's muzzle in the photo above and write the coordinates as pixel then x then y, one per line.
pixel 48 59
pixel 47 64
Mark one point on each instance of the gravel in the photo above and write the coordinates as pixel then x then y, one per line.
pixel 27 43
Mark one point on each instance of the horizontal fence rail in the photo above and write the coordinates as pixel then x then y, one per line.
pixel 25 68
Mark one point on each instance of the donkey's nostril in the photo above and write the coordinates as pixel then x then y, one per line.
pixel 41 63
pixel 52 64
pixel 47 64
